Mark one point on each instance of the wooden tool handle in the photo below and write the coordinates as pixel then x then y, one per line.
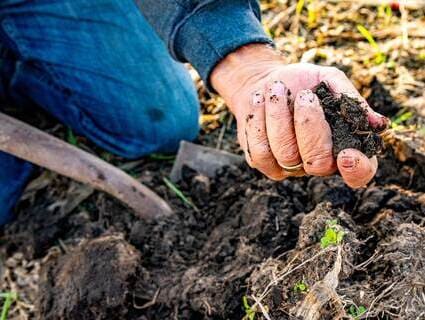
pixel 28 143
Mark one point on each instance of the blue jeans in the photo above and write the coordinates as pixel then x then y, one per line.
pixel 98 67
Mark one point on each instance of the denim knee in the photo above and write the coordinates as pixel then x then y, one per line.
pixel 158 126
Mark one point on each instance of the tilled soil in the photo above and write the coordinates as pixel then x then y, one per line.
pixel 249 239
pixel 199 264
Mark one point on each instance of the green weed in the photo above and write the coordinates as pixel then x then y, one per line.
pixel 379 55
pixel 311 14
pixel 356 312
pixel 70 137
pixel 400 118
pixel 179 193
pixel 333 234
pixel 162 157
pixel 9 298
pixel 385 11
pixel 299 7
pixel 249 311
pixel 300 287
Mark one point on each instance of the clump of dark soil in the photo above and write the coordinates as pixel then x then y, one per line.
pixel 349 123
pixel 90 282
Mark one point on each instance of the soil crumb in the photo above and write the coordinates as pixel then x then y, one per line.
pixel 90 282
pixel 349 123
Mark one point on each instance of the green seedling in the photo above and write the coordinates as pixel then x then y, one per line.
pixel 399 119
pixel 385 11
pixel 379 55
pixel 9 298
pixel 333 235
pixel 70 137
pixel 311 11
pixel 301 287
pixel 249 311
pixel 356 312
pixel 162 157
pixel 299 7
pixel 179 193
pixel 311 14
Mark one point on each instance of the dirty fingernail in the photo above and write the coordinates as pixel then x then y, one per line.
pixel 306 97
pixel 348 162
pixel 277 89
pixel 379 122
pixel 257 99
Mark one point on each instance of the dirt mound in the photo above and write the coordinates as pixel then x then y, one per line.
pixel 313 282
pixel 90 282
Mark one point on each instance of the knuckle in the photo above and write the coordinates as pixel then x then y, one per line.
pixel 287 152
pixel 321 162
pixel 261 153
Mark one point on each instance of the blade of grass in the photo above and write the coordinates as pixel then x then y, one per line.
pixel 299 8
pixel 179 194
pixel 379 57
pixel 162 157
pixel 9 297
pixel 70 137
pixel 400 118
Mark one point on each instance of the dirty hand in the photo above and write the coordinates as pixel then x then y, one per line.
pixel 280 121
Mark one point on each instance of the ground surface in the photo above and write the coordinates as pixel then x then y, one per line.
pixel 77 254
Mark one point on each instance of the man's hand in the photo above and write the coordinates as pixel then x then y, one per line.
pixel 280 121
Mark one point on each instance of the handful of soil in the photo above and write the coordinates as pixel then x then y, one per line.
pixel 349 123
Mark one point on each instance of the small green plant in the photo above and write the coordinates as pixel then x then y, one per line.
pixel 311 14
pixel 301 287
pixel 311 11
pixel 162 157
pixel 9 298
pixel 385 11
pixel 379 55
pixel 179 194
pixel 400 118
pixel 333 234
pixel 249 311
pixel 299 7
pixel 356 312
pixel 70 137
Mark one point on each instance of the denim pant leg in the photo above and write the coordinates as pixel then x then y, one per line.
pixel 99 67
pixel 14 174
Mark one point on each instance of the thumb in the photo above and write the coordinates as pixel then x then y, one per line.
pixel 377 120
pixel 356 169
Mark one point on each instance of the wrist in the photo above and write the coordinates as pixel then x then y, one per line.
pixel 246 62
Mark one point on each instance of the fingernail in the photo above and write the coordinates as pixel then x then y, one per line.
pixel 379 122
pixel 257 99
pixel 277 89
pixel 306 97
pixel 348 162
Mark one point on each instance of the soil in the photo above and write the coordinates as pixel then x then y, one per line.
pixel 250 237
pixel 248 230
pixel 349 123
